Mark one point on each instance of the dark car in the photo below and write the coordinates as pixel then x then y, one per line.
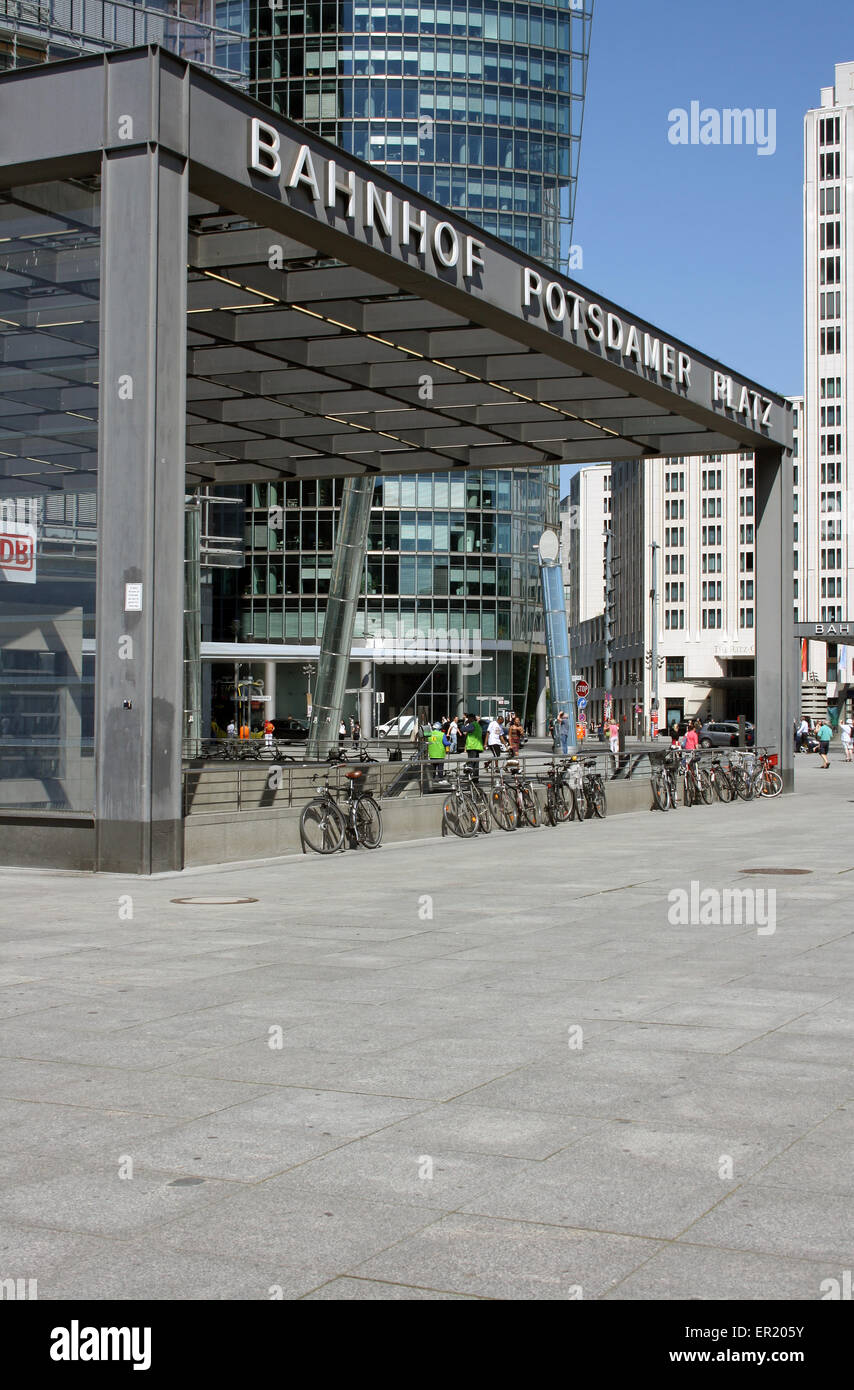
pixel 723 733
pixel 290 730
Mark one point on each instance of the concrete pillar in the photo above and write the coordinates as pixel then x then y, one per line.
pixel 193 731
pixel 365 699
pixel 776 649
pixel 141 487
pixel 270 688
pixel 541 718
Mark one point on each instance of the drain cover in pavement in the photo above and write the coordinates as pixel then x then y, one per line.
pixel 213 902
pixel 775 871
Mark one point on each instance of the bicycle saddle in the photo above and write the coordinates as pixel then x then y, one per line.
pixel 354 776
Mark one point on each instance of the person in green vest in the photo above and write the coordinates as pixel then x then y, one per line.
pixel 472 729
pixel 437 743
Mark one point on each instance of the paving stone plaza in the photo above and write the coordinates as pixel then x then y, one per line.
pixel 444 1070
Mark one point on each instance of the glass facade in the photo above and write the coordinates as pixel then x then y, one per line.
pixel 49 326
pixel 476 103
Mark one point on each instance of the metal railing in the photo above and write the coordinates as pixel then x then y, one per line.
pixel 248 784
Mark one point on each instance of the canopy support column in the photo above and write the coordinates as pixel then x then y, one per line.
pixel 776 704
pixel 347 567
pixel 141 489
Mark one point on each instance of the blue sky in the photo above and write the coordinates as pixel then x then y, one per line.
pixel 706 241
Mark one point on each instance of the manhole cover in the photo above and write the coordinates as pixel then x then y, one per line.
pixel 775 871
pixel 213 902
pixel 186 1182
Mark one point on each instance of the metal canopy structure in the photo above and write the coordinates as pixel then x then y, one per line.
pixel 210 294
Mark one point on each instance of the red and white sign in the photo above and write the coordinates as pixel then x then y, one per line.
pixel 582 689
pixel 17 552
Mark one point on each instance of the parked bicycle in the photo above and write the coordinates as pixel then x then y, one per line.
pixel 594 790
pixel 663 779
pixel 525 803
pixel 698 786
pixel 460 814
pixel 501 801
pixel 323 824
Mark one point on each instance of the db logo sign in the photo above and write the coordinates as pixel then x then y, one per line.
pixel 18 552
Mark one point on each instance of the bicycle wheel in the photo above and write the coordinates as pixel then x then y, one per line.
pixel 772 783
pixel 744 786
pixel 723 786
pixel 321 826
pixel 579 804
pixel 368 822
pixel 704 785
pixel 503 809
pixel 600 804
pixel 690 790
pixel 549 810
pixel 529 807
pixel 481 805
pixel 660 788
pixel 562 803
pixel 459 816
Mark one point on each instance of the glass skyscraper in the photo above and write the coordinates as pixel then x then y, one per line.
pixel 478 104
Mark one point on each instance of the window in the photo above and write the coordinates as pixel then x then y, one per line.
pixel 675 668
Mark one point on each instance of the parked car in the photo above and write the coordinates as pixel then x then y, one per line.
pixel 724 734
pixel 399 727
pixel 290 730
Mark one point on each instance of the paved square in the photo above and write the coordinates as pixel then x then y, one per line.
pixel 490 1069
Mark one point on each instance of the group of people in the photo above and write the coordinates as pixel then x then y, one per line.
pixel 822 731
pixel 475 735
pixel 355 731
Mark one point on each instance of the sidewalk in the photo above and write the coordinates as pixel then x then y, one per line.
pixel 488 1069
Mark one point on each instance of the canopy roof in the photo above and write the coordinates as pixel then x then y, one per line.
pixel 337 321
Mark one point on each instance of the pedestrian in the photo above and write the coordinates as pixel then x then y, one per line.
pixel 454 733
pixel 342 731
pixel 231 731
pixel 845 730
pixel 357 732
pixel 515 734
pixel 436 748
pixel 563 732
pixel 495 738
pixel 825 734
pixel 692 738
pixel 614 737
pixel 802 735
pixel 473 731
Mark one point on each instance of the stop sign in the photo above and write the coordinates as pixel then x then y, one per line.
pixel 582 689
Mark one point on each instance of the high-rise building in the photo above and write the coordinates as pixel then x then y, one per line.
pixel 825 557
pixel 697 588
pixel 479 105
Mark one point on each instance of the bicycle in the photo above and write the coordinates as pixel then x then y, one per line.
pixel 663 781
pixel 460 815
pixel 771 783
pixel 593 784
pixel 573 776
pixel 743 768
pixel 520 790
pixel 559 794
pixel 720 783
pixel 697 784
pixel 501 802
pixel 323 825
